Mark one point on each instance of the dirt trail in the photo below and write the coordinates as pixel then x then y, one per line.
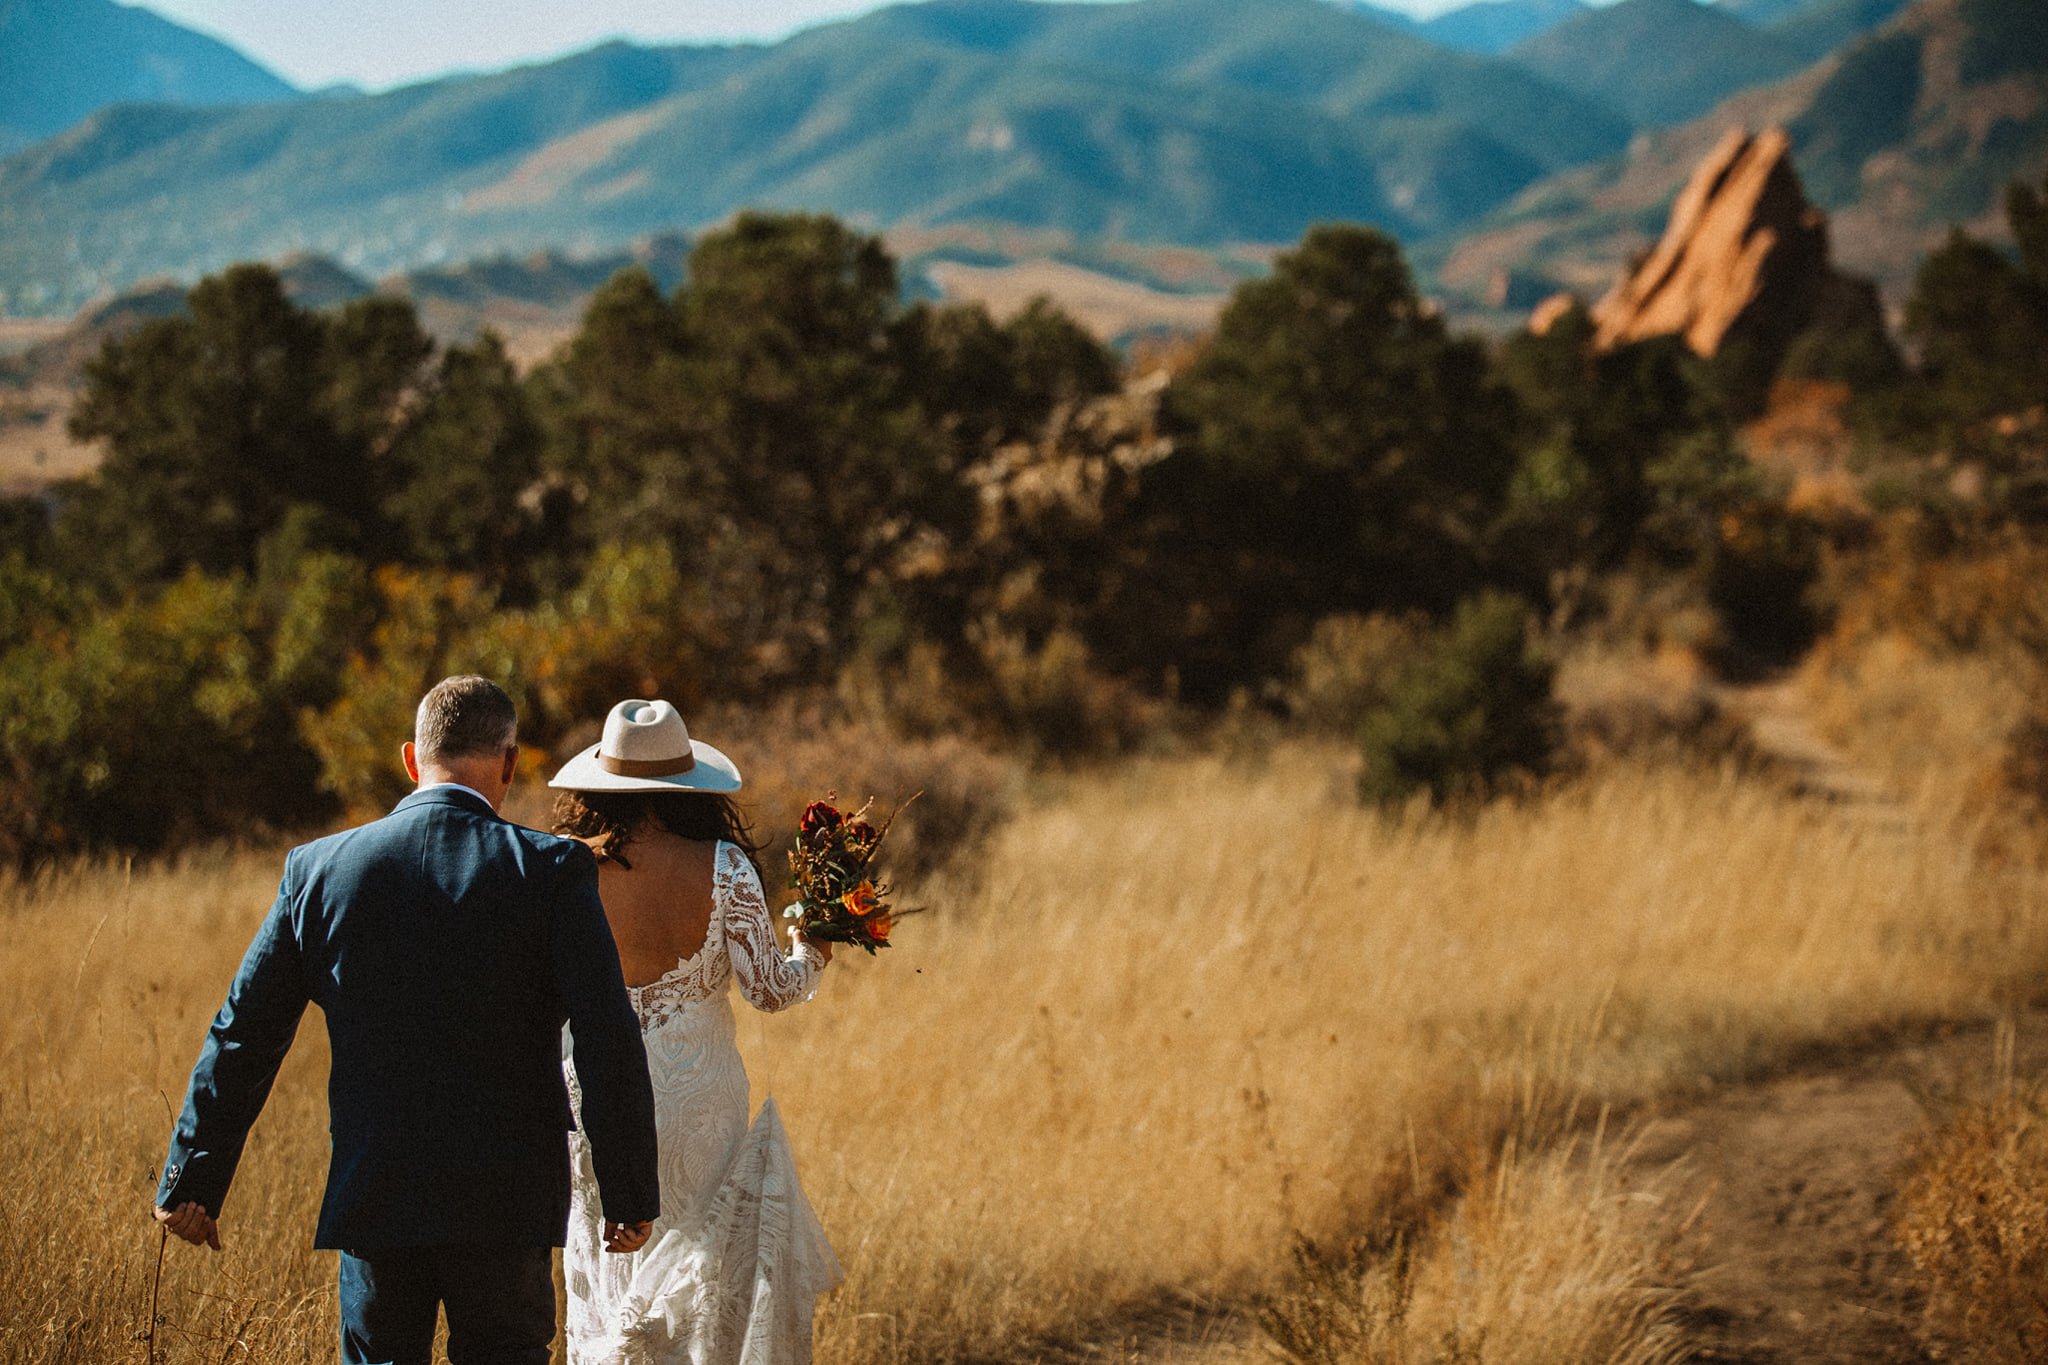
pixel 1790 1258
pixel 1793 1259
pixel 1781 725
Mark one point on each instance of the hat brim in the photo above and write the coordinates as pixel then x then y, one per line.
pixel 713 772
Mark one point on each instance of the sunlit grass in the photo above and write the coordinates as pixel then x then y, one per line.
pixel 1160 1026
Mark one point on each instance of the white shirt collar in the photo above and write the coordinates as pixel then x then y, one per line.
pixel 436 786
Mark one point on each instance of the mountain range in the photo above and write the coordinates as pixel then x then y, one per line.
pixel 1657 61
pixel 1204 122
pixel 61 60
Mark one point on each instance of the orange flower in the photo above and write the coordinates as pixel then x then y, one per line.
pixel 860 900
pixel 879 927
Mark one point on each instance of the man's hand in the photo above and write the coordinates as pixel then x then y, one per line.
pixel 625 1238
pixel 194 1224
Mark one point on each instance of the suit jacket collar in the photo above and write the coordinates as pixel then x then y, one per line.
pixel 448 794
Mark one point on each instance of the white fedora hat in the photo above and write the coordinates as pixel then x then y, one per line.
pixel 647 748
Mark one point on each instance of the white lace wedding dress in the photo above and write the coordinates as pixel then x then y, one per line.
pixel 738 1258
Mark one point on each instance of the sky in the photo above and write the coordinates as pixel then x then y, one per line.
pixel 381 43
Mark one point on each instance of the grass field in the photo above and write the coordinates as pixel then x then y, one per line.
pixel 1168 1019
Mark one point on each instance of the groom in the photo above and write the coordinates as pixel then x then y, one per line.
pixel 445 947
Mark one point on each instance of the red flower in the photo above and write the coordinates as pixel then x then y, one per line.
pixel 879 927
pixel 819 815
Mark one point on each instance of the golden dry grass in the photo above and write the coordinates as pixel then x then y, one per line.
pixel 1165 1022
pixel 1107 306
pixel 1933 726
pixel 1568 1256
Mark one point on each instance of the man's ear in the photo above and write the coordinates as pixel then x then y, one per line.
pixel 511 763
pixel 410 758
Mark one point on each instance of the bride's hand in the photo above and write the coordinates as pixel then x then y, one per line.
pixel 816 945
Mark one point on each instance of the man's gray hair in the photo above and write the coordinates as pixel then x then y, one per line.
pixel 464 717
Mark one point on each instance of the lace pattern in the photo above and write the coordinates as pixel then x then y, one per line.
pixel 738 943
pixel 740 1287
pixel 738 1255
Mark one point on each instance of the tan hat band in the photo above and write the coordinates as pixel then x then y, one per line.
pixel 647 767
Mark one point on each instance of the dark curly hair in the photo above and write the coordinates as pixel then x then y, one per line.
pixel 611 820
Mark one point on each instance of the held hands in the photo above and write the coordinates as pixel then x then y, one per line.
pixel 192 1223
pixel 625 1238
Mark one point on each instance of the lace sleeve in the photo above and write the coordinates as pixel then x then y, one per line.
pixel 768 979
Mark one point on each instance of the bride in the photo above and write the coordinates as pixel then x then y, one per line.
pixel 738 1257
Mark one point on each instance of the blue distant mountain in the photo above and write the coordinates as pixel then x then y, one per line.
pixel 1206 123
pixel 1660 62
pixel 62 60
pixel 1189 121
pixel 1492 27
pixel 1486 28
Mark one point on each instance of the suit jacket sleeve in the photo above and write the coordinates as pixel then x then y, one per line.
pixel 611 1062
pixel 238 1063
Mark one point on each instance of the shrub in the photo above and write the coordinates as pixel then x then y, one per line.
pixel 1051 696
pixel 1345 669
pixel 425 618
pixel 1974 1220
pixel 139 725
pixel 1473 708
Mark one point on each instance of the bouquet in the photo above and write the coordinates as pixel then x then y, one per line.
pixel 840 896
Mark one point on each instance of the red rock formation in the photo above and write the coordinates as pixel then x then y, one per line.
pixel 1744 253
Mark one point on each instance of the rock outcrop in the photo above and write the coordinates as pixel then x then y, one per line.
pixel 1743 259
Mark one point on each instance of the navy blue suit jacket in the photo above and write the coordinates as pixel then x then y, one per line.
pixel 446 947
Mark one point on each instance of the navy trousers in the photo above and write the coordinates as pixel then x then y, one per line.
pixel 500 1303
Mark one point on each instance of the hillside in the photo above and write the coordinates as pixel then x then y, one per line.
pixel 61 60
pixel 1492 27
pixel 1818 27
pixel 1657 61
pixel 1190 121
pixel 1909 130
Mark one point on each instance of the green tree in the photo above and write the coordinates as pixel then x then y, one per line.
pixel 1338 450
pixel 1474 707
pixel 616 412
pixel 1055 360
pixel 1980 318
pixel 766 424
pixel 1600 430
pixel 1982 328
pixel 804 422
pixel 213 428
pixel 461 472
pixel 374 360
pixel 223 422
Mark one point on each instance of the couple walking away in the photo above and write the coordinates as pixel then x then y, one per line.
pixel 446 948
